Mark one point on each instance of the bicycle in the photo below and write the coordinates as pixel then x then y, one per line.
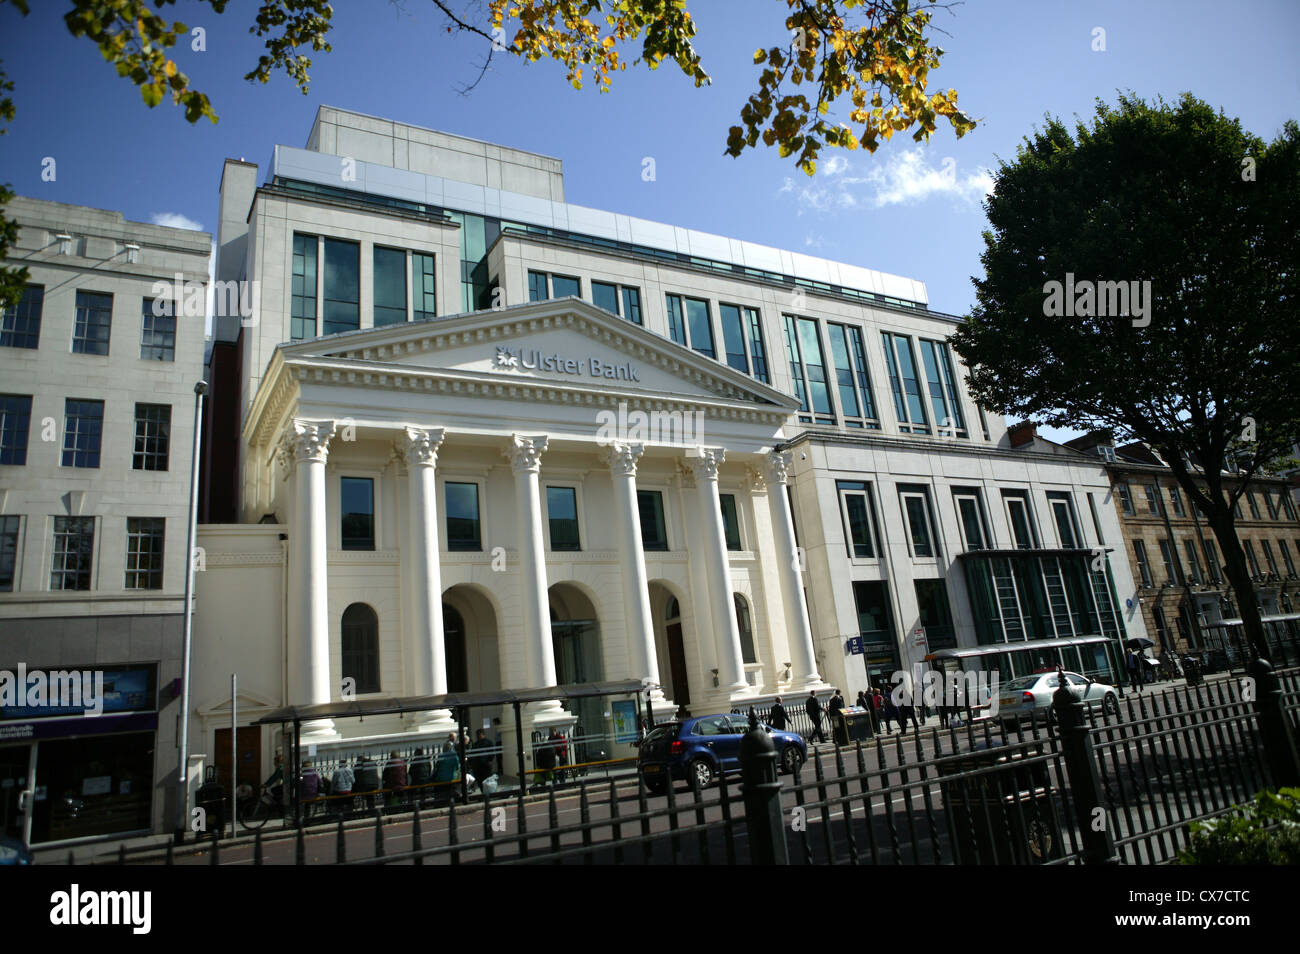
pixel 255 812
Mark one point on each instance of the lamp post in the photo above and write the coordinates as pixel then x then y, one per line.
pixel 183 747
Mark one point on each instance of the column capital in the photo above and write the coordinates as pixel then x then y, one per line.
pixel 305 441
pixel 705 462
pixel 525 453
pixel 622 458
pixel 777 466
pixel 420 445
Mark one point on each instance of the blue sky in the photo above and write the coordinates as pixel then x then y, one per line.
pixel 1013 61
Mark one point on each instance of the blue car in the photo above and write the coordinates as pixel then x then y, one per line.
pixel 14 852
pixel 704 747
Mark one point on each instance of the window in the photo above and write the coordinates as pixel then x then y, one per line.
pixel 745 624
pixel 1268 556
pixel 1067 526
pixel 676 320
pixel 1176 499
pixel 9 527
pixel 730 521
pixel 851 379
pixel 916 514
pixel 20 324
pixel 654 533
pixel 1212 564
pixel 1153 498
pixel 1162 625
pixel 357 510
pixel 1096 520
pixel 562 511
pixel 1272 507
pixel 1287 507
pixel 757 350
pixel 1194 573
pixel 144 553
pixel 1140 552
pixel 808 369
pixel 94 321
pixel 609 296
pixel 83 427
pixel 1254 506
pixel 1286 558
pixel 564 286
pixel 1167 558
pixel 303 308
pixel 935 614
pixel 424 287
pixel 390 286
pixel 1106 452
pixel 462 517
pixel 74 546
pixel 856 506
pixel 1018 516
pixel 15 420
pixel 537 290
pixel 158 330
pixel 689 324
pixel 605 295
pixel 970 513
pixel 342 286
pixel 153 424
pixel 1126 499
pixel 360 662
pixel 944 399
pixel 733 338
pixel 1249 548
pixel 905 384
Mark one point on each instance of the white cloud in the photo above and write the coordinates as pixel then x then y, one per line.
pixel 176 221
pixel 905 177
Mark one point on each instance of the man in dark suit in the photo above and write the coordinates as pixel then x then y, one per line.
pixel 777 718
pixel 814 710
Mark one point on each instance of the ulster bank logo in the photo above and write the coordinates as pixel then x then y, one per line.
pixel 532 359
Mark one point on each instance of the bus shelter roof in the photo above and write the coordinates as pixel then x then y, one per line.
pixel 1027 645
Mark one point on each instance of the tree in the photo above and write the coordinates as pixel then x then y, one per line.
pixel 876 55
pixel 1141 276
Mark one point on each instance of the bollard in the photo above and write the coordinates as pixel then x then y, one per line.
pixel 761 790
pixel 1081 770
pixel 1274 727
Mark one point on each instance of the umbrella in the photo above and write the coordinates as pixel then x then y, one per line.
pixel 1139 642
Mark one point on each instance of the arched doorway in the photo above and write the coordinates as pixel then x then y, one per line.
pixel 575 636
pixel 666 610
pixel 453 641
pixel 360 649
pixel 470 637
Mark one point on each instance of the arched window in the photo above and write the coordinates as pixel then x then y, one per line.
pixel 674 610
pixel 453 642
pixel 361 647
pixel 745 623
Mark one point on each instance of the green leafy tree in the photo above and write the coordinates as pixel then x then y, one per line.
pixel 1205 369
pixel 872 57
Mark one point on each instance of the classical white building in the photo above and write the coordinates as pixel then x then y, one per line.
pixel 488 439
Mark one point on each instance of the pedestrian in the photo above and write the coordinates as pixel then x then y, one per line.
pixel 1134 673
pixel 861 701
pixel 341 783
pixel 561 754
pixel 395 778
pixel 480 763
pixel 877 701
pixel 890 709
pixel 446 770
pixel 777 718
pixel 276 782
pixel 545 755
pixel 367 781
pixel 814 709
pixel 421 773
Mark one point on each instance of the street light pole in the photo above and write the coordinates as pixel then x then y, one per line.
pixel 182 774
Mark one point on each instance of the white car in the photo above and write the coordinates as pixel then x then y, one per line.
pixel 1028 696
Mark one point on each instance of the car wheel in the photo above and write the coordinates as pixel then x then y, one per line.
pixel 1111 704
pixel 791 759
pixel 702 772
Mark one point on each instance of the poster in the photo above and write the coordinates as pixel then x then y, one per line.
pixel 625 727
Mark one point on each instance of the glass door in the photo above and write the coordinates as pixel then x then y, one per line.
pixel 15 769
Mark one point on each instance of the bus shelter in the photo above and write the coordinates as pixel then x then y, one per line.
pixel 1094 657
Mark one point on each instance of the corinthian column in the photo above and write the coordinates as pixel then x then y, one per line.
pixel 305 449
pixel 731 666
pixel 803 660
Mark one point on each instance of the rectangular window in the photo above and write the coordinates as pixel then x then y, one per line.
pixel 1020 519
pixel 1067 525
pixel 699 328
pixel 144 553
pixel 757 350
pixel 920 526
pixel 1162 625
pixel 1153 498
pixel 970 511
pixel 1286 558
pixel 562 512
pixel 1176 499
pixel 654 531
pixel 537 290
pixel 1268 556
pixel 303 307
pixel 1272 507
pixel 1167 558
pixel 1287 507
pixel 1212 565
pixel 83 429
pixel 730 521
pixel 1096 520
pixel 808 370
pixel 733 338
pixel 390 286
pixel 20 324
pixel 845 383
pixel 357 509
pixel 153 425
pixel 605 295
pixel 1254 506
pixel 462 517
pixel 904 382
pixel 676 319
pixel 158 330
pixel 1194 573
pixel 9 527
pixel 1126 499
pixel 1140 554
pixel 935 614
pixel 94 322
pixel 1249 548
pixel 15 422
pixel 565 286
pixel 342 287
pixel 632 305
pixel 856 505
pixel 424 287
pixel 74 548
pixel 944 399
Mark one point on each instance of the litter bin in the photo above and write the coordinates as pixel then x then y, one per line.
pixel 211 797
pixel 1000 812
pixel 853 725
pixel 1192 671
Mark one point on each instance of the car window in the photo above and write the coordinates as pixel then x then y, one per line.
pixel 1024 682
pixel 739 723
pixel 1076 680
pixel 714 725
pixel 662 732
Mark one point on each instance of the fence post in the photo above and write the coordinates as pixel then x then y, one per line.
pixel 1274 728
pixel 762 794
pixel 1083 779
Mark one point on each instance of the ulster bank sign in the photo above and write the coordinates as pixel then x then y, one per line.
pixel 533 359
